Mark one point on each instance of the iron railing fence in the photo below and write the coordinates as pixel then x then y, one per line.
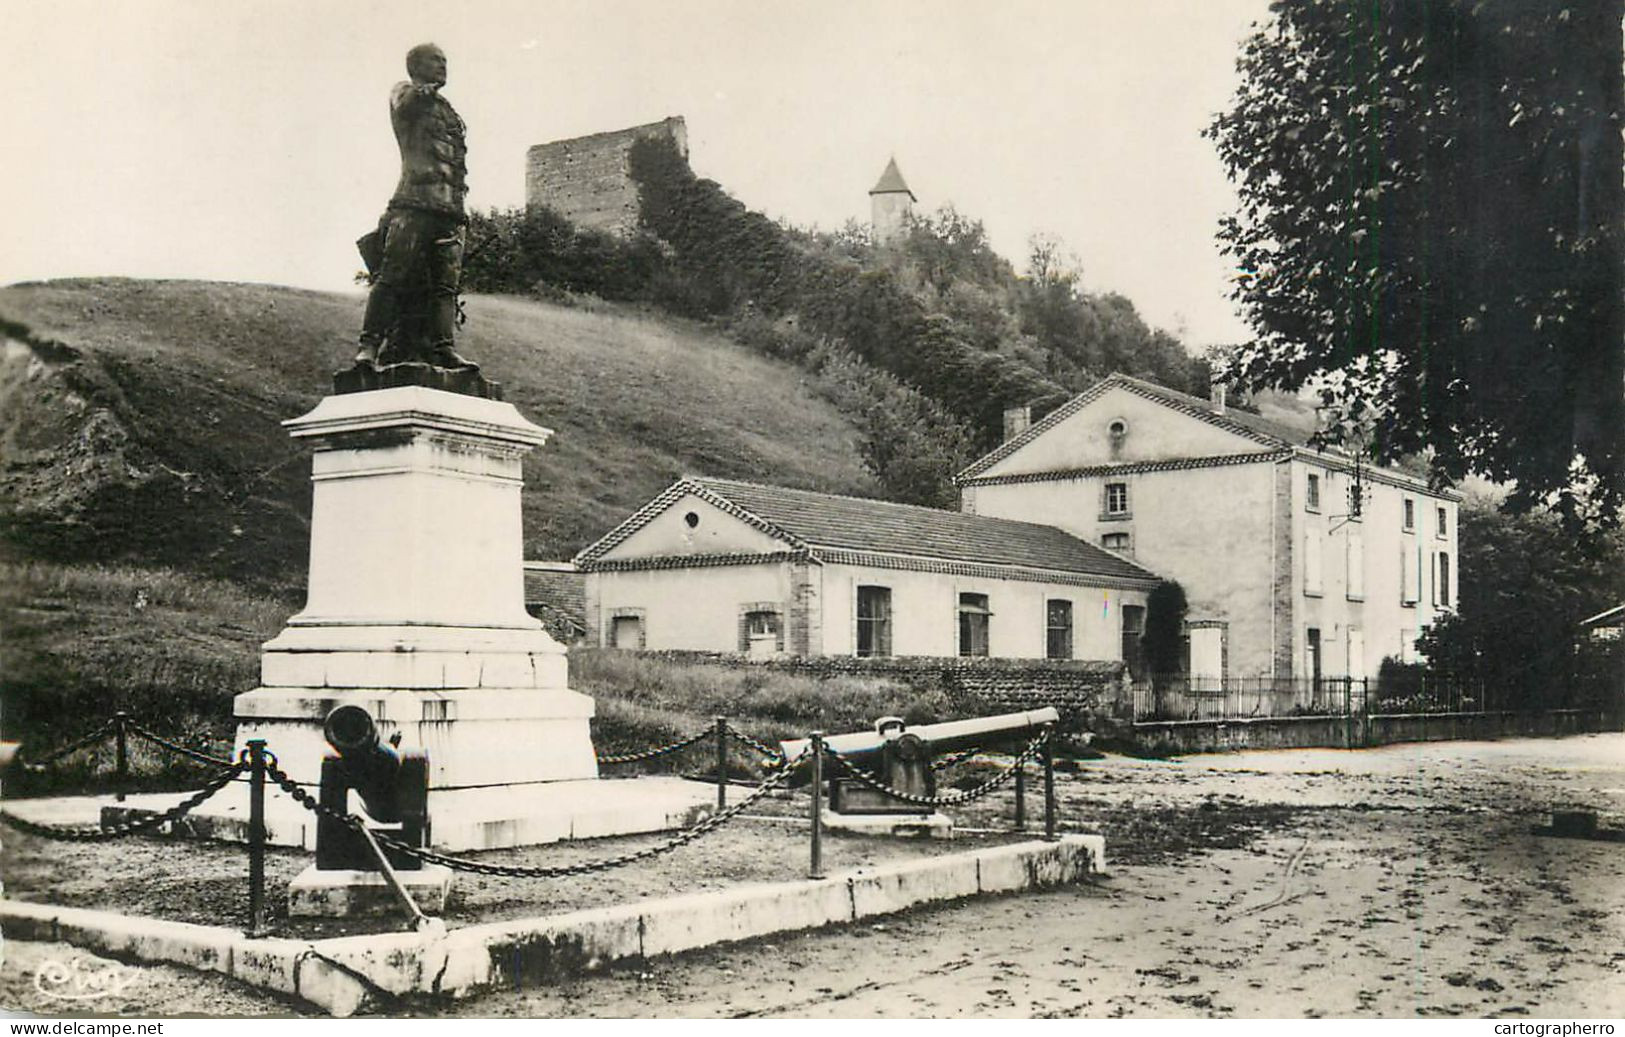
pixel 1182 697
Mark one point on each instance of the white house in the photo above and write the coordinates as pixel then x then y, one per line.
pixel 1295 562
pixel 718 565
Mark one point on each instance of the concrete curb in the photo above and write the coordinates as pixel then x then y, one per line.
pixel 342 976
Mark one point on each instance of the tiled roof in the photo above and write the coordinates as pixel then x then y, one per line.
pixel 827 521
pixel 891 182
pixel 1262 430
pixel 1254 423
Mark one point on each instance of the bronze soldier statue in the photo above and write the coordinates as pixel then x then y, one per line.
pixel 415 257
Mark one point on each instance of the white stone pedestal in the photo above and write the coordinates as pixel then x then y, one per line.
pixel 934 825
pixel 416 611
pixel 351 894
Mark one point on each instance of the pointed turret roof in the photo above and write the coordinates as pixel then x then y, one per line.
pixel 891 182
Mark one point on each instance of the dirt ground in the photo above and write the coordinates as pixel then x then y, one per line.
pixel 1393 883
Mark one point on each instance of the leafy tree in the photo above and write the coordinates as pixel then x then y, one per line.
pixel 1164 638
pixel 1430 230
pixel 1525 585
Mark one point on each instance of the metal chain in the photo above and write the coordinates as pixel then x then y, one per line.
pixel 71 748
pixel 687 835
pixel 130 827
pixel 774 757
pixel 649 754
pixel 957 758
pixel 160 741
pixel 954 799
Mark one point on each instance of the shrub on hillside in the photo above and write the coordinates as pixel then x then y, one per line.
pixel 538 251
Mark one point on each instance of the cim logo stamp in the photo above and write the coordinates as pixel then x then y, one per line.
pixel 79 980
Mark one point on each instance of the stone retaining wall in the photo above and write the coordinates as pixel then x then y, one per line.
pixel 1357 732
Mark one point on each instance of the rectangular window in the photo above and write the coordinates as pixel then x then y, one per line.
pixel 1410 515
pixel 1058 629
pixel 874 621
pixel 1115 542
pixel 626 632
pixel 1311 499
pixel 1443 522
pixel 763 638
pixel 1444 580
pixel 1311 562
pixel 1356 565
pixel 973 624
pixel 1312 644
pixel 1117 499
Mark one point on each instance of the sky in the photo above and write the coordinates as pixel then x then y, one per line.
pixel 249 140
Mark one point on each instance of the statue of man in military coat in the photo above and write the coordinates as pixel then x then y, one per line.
pixel 415 257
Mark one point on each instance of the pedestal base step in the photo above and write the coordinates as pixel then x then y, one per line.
pixel 915 826
pixel 351 894
pixel 488 818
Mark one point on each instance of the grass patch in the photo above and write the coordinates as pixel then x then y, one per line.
pixel 82 642
pixel 646 700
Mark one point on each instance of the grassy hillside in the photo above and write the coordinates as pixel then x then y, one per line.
pixel 139 420
pixel 154 515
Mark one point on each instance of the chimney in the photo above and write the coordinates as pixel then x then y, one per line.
pixel 1016 421
pixel 1216 394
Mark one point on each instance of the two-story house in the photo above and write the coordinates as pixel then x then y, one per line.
pixel 1296 563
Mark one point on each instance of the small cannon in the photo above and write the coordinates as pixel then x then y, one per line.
pixel 393 786
pixel 900 756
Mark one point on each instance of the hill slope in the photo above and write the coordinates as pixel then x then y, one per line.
pixel 139 420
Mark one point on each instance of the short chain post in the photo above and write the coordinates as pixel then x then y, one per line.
pixel 1049 782
pixel 722 762
pixel 817 743
pixel 121 740
pixel 256 837
pixel 1021 794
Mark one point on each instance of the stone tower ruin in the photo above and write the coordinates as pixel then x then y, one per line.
pixel 588 181
pixel 890 203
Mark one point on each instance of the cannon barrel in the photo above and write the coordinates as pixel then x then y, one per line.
pixel 942 738
pixel 371 765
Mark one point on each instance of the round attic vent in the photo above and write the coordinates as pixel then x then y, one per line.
pixel 692 519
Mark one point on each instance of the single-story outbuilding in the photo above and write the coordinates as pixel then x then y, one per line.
pixel 725 566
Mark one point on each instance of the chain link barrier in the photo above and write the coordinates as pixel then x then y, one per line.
pixel 134 825
pixel 174 747
pixel 54 755
pixel 864 778
pixel 775 758
pixel 954 760
pixel 687 835
pixel 650 754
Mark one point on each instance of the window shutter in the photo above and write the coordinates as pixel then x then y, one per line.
pixel 1356 564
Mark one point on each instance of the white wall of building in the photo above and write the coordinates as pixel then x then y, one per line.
pixel 1150 432
pixel 710 531
pixel 695 609
pixel 1379 611
pixel 925 611
pixel 1208 528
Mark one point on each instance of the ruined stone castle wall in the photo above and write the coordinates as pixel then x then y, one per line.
pixel 588 180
